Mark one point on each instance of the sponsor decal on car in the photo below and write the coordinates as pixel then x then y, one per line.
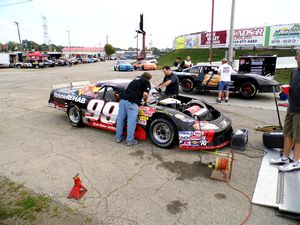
pixel 146 111
pixel 69 97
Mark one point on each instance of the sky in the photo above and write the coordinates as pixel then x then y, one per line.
pixel 90 21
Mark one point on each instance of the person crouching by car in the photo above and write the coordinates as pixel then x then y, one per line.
pixel 170 82
pixel 177 63
pixel 137 90
pixel 225 71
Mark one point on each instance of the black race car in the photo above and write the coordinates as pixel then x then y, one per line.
pixel 194 123
pixel 205 77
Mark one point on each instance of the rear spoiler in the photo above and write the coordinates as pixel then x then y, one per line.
pixel 71 85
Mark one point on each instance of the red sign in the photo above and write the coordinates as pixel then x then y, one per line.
pixel 219 39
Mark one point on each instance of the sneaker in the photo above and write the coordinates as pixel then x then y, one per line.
pixel 282 160
pixel 132 143
pixel 295 165
pixel 218 100
pixel 119 141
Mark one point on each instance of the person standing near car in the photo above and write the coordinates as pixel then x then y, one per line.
pixel 137 90
pixel 291 125
pixel 170 82
pixel 187 63
pixel 225 71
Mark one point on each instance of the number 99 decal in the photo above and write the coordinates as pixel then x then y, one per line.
pixel 103 112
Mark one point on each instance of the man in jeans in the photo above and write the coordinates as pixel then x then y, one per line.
pixel 225 79
pixel 129 107
pixel 291 125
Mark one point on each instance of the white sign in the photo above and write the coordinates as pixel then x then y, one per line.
pixel 285 35
pixel 249 37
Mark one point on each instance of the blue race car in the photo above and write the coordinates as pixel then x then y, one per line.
pixel 123 66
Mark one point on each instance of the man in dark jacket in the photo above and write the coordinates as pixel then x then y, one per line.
pixel 137 90
pixel 170 82
pixel 292 124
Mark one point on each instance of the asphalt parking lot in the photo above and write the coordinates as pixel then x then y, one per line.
pixel 142 184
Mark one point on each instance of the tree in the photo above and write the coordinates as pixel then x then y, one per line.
pixel 109 49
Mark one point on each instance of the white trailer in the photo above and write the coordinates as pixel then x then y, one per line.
pixel 4 59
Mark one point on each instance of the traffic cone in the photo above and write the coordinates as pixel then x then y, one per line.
pixel 78 189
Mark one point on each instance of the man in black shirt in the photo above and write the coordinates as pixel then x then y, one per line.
pixel 292 125
pixel 129 107
pixel 170 82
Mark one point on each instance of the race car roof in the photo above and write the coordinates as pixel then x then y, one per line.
pixel 118 83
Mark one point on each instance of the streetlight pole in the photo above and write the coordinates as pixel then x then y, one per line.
pixel 17 23
pixel 230 48
pixel 211 30
pixel 137 44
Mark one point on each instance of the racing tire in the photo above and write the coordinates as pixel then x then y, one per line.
pixel 143 68
pixel 273 139
pixel 74 116
pixel 36 66
pixel 19 66
pixel 187 85
pixel 115 69
pixel 248 90
pixel 162 133
pixel 135 68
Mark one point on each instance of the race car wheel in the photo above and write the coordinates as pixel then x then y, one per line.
pixel 187 85
pixel 273 139
pixel 162 133
pixel 143 68
pixel 248 90
pixel 74 116
pixel 135 68
pixel 115 69
pixel 19 66
pixel 36 66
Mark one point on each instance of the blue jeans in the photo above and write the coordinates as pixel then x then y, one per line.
pixel 130 111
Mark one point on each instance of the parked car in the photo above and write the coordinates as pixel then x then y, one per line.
pixel 192 123
pixel 49 63
pixel 123 66
pixel 144 65
pixel 205 77
pixel 151 59
pixel 36 63
pixel 20 65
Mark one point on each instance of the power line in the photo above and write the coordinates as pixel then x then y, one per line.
pixel 16 3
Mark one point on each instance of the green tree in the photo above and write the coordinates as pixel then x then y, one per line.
pixel 12 46
pixel 109 49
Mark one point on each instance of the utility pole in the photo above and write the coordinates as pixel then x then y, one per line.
pixel 230 48
pixel 212 30
pixel 17 23
pixel 106 39
pixel 69 41
pixel 46 37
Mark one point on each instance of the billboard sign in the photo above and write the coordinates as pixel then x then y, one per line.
pixel 219 39
pixel 284 35
pixel 180 42
pixel 249 37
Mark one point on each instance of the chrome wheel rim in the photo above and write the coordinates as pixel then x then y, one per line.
pixel 161 132
pixel 74 115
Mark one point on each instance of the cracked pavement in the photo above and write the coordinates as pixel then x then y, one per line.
pixel 126 185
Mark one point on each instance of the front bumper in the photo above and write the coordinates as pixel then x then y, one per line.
pixel 204 139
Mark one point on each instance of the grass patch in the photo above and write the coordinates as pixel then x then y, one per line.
pixel 18 205
pixel 283 76
pixel 202 55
